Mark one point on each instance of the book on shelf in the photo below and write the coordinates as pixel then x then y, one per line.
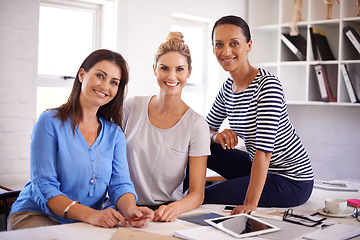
pixel 324 84
pixel 297 44
pixel 349 84
pixel 320 45
pixel 354 36
pixel 313 45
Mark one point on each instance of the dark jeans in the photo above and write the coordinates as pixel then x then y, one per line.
pixel 235 166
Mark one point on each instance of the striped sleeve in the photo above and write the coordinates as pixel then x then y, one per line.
pixel 217 114
pixel 269 109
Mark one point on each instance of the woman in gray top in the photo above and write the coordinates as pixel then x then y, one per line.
pixel 164 135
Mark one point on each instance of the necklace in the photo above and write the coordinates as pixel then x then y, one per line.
pixel 93 179
pixel 243 93
pixel 234 88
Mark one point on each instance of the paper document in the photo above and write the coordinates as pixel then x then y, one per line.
pixel 334 232
pixel 335 185
pixel 203 232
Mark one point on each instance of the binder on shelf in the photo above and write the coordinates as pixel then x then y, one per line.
pixel 320 44
pixel 349 85
pixel 313 44
pixel 353 36
pixel 297 44
pixel 324 84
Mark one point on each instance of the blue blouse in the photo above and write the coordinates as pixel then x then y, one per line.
pixel 62 163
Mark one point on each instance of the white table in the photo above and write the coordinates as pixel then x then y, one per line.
pixel 85 231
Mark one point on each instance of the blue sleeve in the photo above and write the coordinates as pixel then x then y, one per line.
pixel 120 182
pixel 43 150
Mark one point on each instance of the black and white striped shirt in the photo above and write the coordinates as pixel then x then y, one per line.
pixel 259 116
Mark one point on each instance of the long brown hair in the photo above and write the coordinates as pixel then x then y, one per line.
pixel 111 111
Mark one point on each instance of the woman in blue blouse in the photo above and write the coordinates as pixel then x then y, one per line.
pixel 78 154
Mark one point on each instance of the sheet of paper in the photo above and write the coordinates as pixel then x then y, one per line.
pixel 132 234
pixel 334 232
pixel 335 185
pixel 203 232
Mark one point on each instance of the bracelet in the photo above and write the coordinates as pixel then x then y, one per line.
pixel 213 137
pixel 68 208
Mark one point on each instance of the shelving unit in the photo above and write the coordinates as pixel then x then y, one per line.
pixel 298 78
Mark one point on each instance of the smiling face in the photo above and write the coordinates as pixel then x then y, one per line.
pixel 230 47
pixel 100 84
pixel 172 72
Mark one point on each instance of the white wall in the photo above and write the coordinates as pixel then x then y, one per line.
pixel 331 135
pixel 18 61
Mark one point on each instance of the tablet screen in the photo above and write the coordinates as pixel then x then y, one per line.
pixel 199 218
pixel 242 225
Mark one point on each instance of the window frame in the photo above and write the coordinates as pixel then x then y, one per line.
pixel 205 25
pixel 96 7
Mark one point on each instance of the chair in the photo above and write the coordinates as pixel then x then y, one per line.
pixel 8 197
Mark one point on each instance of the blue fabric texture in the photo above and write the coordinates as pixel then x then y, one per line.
pixel 62 163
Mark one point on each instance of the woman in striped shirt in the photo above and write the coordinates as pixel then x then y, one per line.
pixel 276 170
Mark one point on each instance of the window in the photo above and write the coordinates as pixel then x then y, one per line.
pixel 196 36
pixel 68 32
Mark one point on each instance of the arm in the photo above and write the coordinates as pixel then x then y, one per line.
pixel 44 172
pixel 103 218
pixel 257 181
pixel 127 205
pixel 215 118
pixel 269 106
pixel 197 175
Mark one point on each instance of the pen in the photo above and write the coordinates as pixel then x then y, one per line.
pixel 137 218
pixel 335 184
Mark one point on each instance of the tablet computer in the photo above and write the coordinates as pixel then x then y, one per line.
pixel 199 218
pixel 242 225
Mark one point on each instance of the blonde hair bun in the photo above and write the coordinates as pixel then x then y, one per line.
pixel 175 36
pixel 174 43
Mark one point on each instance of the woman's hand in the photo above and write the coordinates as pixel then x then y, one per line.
pixel 166 213
pixel 243 209
pixel 106 218
pixel 258 176
pixel 127 206
pixel 139 212
pixel 227 138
